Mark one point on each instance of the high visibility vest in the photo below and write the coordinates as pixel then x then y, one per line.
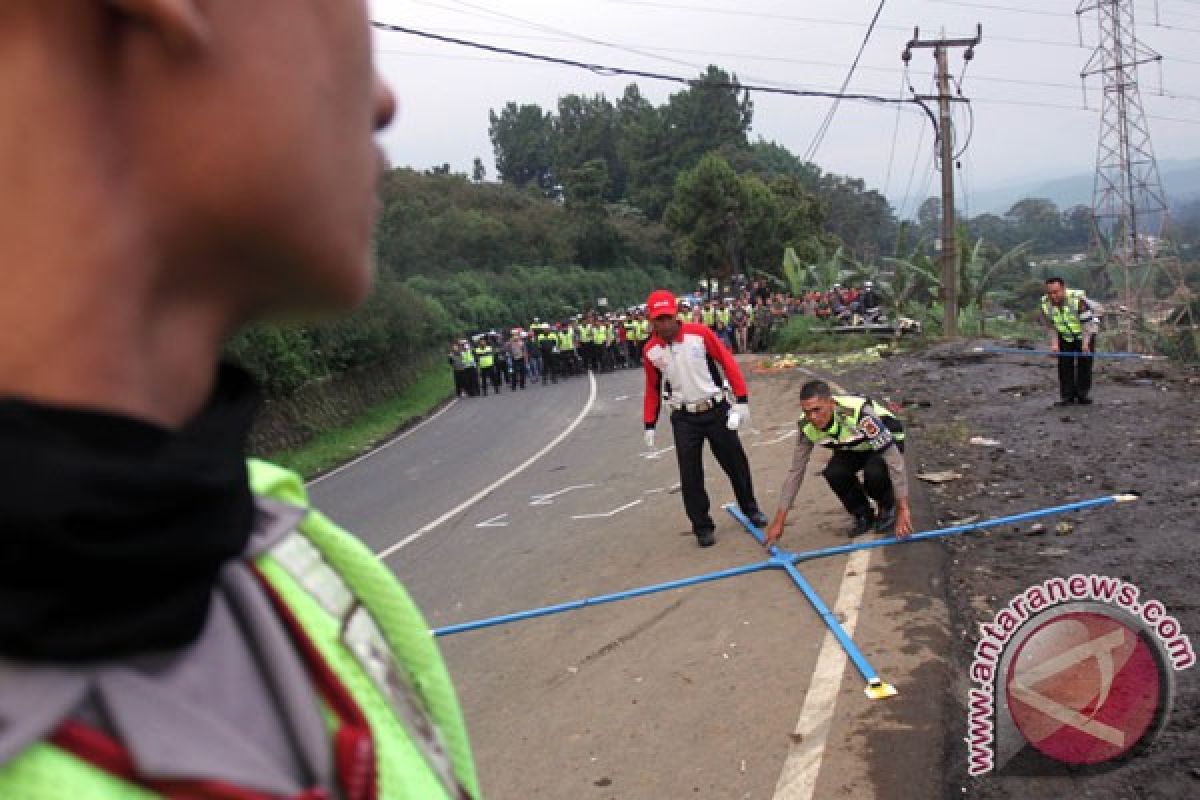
pixel 485 357
pixel 844 432
pixel 565 340
pixel 643 329
pixel 336 590
pixel 709 316
pixel 723 315
pixel 1067 319
pixel 468 359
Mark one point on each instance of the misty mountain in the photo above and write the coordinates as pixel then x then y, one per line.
pixel 1181 180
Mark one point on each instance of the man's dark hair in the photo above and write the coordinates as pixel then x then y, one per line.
pixel 814 389
pixel 1057 280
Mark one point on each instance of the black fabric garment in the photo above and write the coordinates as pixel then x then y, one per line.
pixel 112 530
pixel 842 475
pixel 691 431
pixel 1074 372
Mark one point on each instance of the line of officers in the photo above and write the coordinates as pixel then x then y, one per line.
pixel 548 352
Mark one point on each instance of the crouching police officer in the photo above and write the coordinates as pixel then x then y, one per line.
pixel 173 623
pixel 864 437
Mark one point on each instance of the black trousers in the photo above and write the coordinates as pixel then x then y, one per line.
pixel 550 366
pixel 691 431
pixel 1074 372
pixel 518 373
pixel 841 473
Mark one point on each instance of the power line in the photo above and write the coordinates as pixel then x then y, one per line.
pixel 887 179
pixel 811 153
pixel 602 69
pixel 1003 8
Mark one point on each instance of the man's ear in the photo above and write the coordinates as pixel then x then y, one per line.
pixel 181 24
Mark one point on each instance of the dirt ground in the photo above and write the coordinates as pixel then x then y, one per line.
pixel 1142 433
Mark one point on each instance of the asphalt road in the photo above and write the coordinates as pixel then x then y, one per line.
pixel 694 692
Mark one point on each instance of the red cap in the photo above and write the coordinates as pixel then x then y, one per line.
pixel 660 303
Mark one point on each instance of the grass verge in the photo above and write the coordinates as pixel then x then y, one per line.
pixel 330 448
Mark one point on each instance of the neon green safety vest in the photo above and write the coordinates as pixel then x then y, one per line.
pixel 468 358
pixel 565 340
pixel 709 316
pixel 643 330
pixel 485 357
pixel 724 316
pixel 1065 318
pixel 843 432
pixel 319 554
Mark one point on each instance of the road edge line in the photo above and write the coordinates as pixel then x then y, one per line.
pixel 386 553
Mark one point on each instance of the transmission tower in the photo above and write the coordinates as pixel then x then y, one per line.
pixel 1129 207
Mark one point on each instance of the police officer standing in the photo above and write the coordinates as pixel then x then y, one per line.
pixel 1073 326
pixel 680 361
pixel 174 622
pixel 864 437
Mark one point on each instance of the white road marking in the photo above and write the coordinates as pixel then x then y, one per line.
pixel 548 499
pixel 619 398
pixel 378 450
pixel 494 522
pixel 798 781
pixel 607 513
pixel 482 493
pixel 656 454
pixel 776 440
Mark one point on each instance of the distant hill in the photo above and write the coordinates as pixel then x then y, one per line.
pixel 1180 178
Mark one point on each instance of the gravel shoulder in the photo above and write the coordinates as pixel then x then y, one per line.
pixel 1143 434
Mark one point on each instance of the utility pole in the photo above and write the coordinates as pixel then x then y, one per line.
pixel 948 244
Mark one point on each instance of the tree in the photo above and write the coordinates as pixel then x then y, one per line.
pixel 478 173
pixel 596 241
pixel 706 213
pixel 585 129
pixel 1037 218
pixel 522 140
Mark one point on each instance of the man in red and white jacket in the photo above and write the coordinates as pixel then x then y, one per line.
pixel 684 362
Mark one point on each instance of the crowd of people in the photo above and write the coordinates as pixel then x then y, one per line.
pixel 547 352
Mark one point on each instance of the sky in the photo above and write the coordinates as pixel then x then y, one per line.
pixel 1027 98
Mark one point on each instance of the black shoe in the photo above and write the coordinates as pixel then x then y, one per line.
pixel 705 538
pixel 1068 402
pixel 1083 401
pixel 759 519
pixel 886 521
pixel 863 522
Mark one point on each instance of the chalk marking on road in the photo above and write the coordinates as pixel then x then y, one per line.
pixel 778 439
pixel 798 780
pixel 494 522
pixel 482 493
pixel 656 454
pixel 381 448
pixel 608 513
pixel 548 499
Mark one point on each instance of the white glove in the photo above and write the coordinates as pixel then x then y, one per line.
pixel 648 438
pixel 738 415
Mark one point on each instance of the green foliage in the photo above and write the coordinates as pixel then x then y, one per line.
pixel 330 448
pixel 804 334
pixel 395 320
pixel 480 300
pixel 522 139
pixel 433 225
